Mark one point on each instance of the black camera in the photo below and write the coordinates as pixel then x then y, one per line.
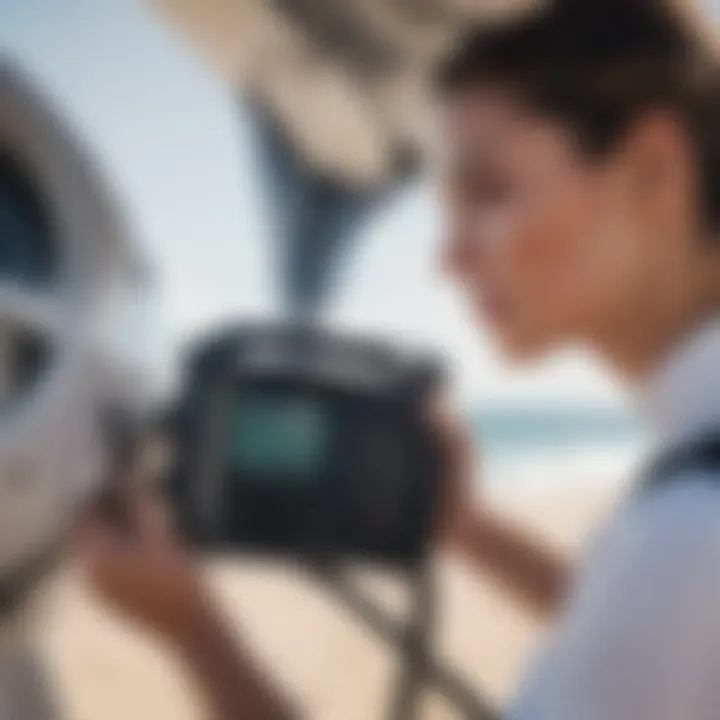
pixel 293 440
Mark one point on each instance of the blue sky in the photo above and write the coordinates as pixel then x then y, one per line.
pixel 173 143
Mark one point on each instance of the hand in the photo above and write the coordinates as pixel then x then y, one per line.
pixel 140 569
pixel 535 574
pixel 456 446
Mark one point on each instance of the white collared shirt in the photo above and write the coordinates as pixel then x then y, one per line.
pixel 640 637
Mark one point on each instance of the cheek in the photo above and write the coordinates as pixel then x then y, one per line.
pixel 548 252
pixel 562 260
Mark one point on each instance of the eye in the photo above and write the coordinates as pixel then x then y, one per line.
pixel 490 188
pixel 483 188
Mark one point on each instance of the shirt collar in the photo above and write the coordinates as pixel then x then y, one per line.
pixel 681 399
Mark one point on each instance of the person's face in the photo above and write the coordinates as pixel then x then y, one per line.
pixel 549 245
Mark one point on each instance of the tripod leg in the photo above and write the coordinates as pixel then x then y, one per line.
pixel 441 678
pixel 415 649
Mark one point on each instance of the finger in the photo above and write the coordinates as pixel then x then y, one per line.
pixel 95 546
pixel 122 518
pixel 90 526
pixel 103 552
pixel 148 513
pixel 441 414
pixel 451 433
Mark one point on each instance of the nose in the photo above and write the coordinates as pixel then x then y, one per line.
pixel 454 254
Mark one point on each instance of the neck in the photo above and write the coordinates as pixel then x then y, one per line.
pixel 636 344
pixel 634 353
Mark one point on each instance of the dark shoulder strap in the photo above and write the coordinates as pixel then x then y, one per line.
pixel 698 455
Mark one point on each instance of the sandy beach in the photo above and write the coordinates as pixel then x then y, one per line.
pixel 333 667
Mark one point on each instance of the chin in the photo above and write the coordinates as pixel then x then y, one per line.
pixel 521 349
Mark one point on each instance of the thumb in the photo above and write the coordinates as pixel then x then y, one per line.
pixel 147 514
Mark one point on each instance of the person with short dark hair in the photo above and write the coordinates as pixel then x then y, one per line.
pixel 580 167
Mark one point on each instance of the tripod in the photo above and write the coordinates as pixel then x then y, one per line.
pixel 411 639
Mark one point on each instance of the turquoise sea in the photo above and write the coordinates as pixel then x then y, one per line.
pixel 532 449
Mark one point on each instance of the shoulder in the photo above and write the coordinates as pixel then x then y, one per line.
pixel 640 637
pixel 681 512
pixel 662 548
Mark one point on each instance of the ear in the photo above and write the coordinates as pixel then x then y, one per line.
pixel 662 168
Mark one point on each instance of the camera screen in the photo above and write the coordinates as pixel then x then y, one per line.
pixel 283 438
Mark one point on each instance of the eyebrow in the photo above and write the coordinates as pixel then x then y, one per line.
pixel 469 160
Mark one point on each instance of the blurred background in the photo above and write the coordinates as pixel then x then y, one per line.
pixel 268 155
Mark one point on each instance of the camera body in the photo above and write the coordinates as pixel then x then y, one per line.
pixel 295 441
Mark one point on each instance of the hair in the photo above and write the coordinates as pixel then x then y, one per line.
pixel 597 65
